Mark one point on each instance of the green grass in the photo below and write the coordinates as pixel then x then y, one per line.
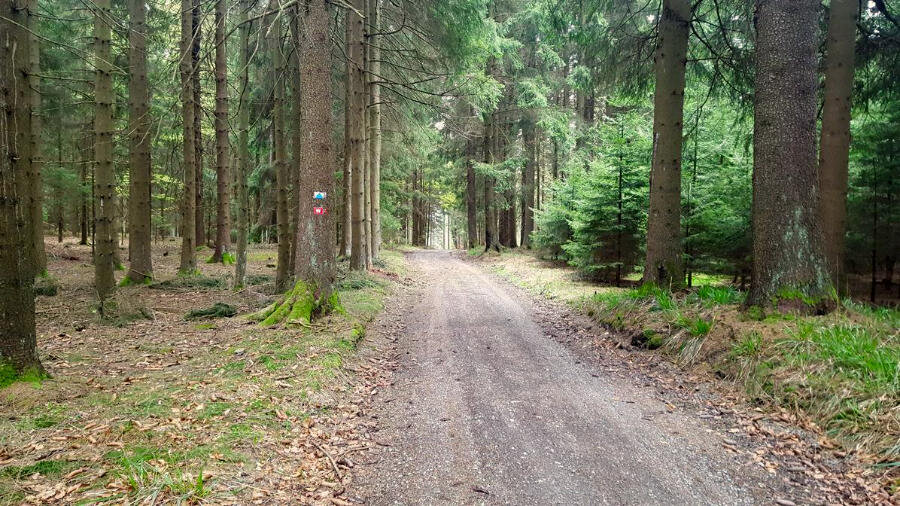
pixel 709 296
pixel 749 346
pixel 44 467
pixel 851 351
pixel 696 326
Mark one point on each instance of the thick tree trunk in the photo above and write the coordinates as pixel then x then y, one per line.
pixel 296 136
pixel 141 268
pixel 188 208
pixel 356 81
pixel 18 344
pixel 374 52
pixel 471 210
pixel 282 176
pixel 223 174
pixel 787 236
pixel 243 194
pixel 835 141
pixel 664 263
pixel 200 215
pixel 104 176
pixel 36 199
pixel 316 241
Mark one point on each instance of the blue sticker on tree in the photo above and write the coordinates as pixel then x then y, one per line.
pixel 319 195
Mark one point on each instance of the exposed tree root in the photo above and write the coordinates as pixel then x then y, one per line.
pixel 296 307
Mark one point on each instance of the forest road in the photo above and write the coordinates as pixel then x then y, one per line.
pixel 487 409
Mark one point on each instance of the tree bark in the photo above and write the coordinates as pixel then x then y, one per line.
pixel 297 137
pixel 18 343
pixel 356 81
pixel 36 203
pixel 787 236
pixel 243 194
pixel 141 267
pixel 490 212
pixel 223 173
pixel 347 187
pixel 528 182
pixel 188 208
pixel 835 141
pixel 664 263
pixel 200 215
pixel 104 176
pixel 316 232
pixel 374 52
pixel 471 210
pixel 282 176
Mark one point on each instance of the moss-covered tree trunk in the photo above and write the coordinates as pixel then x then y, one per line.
pixel 787 237
pixel 664 263
pixel 834 147
pixel 18 346
pixel 139 233
pixel 104 176
pixel 223 172
pixel 188 217
pixel 315 264
pixel 243 194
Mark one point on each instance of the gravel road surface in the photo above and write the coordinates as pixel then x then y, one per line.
pixel 487 409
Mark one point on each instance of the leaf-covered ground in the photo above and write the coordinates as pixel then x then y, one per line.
pixel 837 376
pixel 149 406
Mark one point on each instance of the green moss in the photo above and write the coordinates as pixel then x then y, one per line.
pixel 46 285
pixel 217 310
pixel 655 341
pixel 9 375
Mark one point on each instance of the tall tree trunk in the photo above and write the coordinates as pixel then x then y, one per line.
pixel 282 176
pixel 664 263
pixel 223 174
pixel 188 262
pixel 528 182
pixel 243 194
pixel 375 126
pixel 36 199
pixel 356 81
pixel 104 177
pixel 18 343
pixel 490 212
pixel 141 268
pixel 471 210
pixel 315 252
pixel 787 236
pixel 297 137
pixel 835 141
pixel 347 187
pixel 200 215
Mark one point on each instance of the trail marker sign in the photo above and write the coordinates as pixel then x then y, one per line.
pixel 319 195
pixel 319 211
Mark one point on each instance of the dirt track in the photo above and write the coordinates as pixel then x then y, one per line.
pixel 486 408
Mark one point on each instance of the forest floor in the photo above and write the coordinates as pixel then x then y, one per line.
pixel 836 377
pixel 152 407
